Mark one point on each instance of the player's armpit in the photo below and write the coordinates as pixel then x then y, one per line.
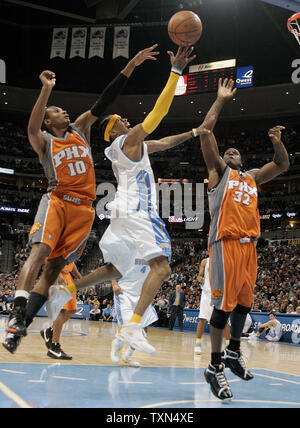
pixel 85 121
pixel 38 142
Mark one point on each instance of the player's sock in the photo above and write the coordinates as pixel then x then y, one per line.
pixel 198 340
pixel 21 298
pixel 216 359
pixel 234 345
pixel 35 302
pixel 136 318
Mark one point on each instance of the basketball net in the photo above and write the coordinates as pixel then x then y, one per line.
pixel 293 25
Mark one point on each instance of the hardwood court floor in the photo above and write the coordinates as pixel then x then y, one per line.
pixel 173 377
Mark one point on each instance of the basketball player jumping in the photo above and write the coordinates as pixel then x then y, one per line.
pixel 234 227
pixel 65 214
pixel 135 221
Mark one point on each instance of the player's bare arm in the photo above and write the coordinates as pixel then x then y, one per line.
pixel 280 163
pixel 214 163
pixel 168 142
pixel 132 145
pixel 87 119
pixel 200 276
pixel 76 272
pixel 35 135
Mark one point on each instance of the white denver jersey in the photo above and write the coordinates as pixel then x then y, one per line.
pixel 206 286
pixel 136 185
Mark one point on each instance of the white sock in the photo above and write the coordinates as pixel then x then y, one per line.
pixel 22 293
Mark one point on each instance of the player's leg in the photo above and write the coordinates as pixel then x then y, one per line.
pixel 232 356
pixel 132 333
pixel 200 330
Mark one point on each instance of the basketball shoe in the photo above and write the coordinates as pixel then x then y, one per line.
pixel 197 349
pixel 133 335
pixel 59 295
pixel 57 353
pixel 127 358
pixel 47 336
pixel 235 362
pixel 11 342
pixel 219 386
pixel 115 353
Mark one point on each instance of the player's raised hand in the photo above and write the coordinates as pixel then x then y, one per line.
pixel 226 90
pixel 275 133
pixel 48 78
pixel 141 56
pixel 182 58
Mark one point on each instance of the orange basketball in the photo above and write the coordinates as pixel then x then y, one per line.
pixel 185 28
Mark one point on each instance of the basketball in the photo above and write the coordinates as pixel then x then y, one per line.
pixel 185 28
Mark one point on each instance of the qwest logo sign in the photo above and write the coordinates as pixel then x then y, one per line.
pixel 244 77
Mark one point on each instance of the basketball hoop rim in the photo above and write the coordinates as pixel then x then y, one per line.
pixel 292 18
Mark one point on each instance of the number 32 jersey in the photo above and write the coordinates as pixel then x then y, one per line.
pixel 69 166
pixel 233 207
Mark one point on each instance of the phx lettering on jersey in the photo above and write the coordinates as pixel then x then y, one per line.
pixel 69 153
pixel 242 187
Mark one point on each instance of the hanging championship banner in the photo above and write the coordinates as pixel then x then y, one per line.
pixel 59 42
pixel 121 42
pixel 78 42
pixel 97 42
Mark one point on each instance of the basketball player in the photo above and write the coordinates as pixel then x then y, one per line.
pixel 52 334
pixel 135 221
pixel 206 308
pixel 234 227
pixel 127 292
pixel 65 214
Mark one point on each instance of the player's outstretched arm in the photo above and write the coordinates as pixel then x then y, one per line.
pixel 168 142
pixel 280 163
pixel 215 164
pixel 137 134
pixel 35 135
pixel 113 89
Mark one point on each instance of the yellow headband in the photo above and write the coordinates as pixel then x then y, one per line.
pixel 110 125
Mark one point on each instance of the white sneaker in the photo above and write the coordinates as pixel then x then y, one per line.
pixel 197 349
pixel 59 295
pixel 253 335
pixel 132 334
pixel 115 353
pixel 127 358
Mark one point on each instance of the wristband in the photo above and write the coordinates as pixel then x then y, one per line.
pixel 176 70
pixel 195 132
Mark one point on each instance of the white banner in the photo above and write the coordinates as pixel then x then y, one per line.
pixel 121 42
pixel 78 42
pixel 213 65
pixel 97 42
pixel 59 42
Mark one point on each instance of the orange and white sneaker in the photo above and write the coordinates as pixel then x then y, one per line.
pixel 133 335
pixel 59 295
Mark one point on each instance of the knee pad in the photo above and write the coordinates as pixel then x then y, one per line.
pixel 219 319
pixel 242 310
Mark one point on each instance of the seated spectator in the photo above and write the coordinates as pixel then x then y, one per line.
pixel 95 313
pixel 107 313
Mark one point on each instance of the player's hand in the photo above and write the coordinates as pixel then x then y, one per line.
pixel 275 133
pixel 200 278
pixel 226 90
pixel 117 290
pixel 182 58
pixel 48 78
pixel 141 56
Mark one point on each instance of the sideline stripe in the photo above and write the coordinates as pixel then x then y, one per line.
pixel 170 403
pixel 14 397
pixel 277 378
